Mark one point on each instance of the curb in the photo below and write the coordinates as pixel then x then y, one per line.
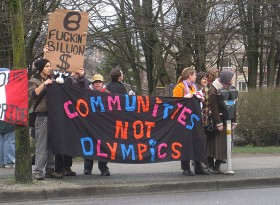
pixel 194 186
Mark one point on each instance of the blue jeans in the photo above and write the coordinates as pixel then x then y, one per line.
pixel 7 148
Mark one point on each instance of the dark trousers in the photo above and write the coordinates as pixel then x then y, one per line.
pixel 185 165
pixel 62 162
pixel 88 164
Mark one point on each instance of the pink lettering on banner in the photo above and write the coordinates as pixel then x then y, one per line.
pixel 69 114
pixel 115 101
pixel 155 110
pixel 99 150
pixel 161 156
pixel 182 116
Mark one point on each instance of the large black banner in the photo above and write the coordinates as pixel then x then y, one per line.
pixel 124 128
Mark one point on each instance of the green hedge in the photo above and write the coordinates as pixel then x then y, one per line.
pixel 259 117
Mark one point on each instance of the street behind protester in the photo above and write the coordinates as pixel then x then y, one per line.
pixel 44 158
pixel 97 84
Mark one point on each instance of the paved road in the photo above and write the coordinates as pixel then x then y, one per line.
pixel 245 197
pixel 250 171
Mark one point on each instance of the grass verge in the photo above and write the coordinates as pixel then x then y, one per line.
pixel 256 150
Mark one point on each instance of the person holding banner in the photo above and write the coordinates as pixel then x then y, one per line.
pixel 37 92
pixel 186 87
pixel 218 142
pixel 63 163
pixel 78 79
pixel 97 85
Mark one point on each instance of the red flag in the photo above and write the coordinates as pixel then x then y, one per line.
pixel 14 96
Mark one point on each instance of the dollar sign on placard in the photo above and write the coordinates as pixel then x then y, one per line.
pixel 64 64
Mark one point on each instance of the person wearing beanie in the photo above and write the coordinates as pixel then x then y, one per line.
pixel 40 64
pixel 97 84
pixel 226 77
pixel 217 145
pixel 37 85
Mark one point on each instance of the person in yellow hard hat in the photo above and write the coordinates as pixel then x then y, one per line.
pixel 97 84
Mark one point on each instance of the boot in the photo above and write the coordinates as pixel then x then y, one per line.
pixel 53 174
pixel 199 169
pixel 69 172
pixel 211 165
pixel 217 167
pixel 187 169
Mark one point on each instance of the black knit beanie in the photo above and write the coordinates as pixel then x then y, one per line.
pixel 225 77
pixel 40 64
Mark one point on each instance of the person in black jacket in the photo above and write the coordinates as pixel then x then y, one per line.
pixel 116 85
pixel 63 163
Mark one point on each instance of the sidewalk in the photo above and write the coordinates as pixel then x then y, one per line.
pixel 250 171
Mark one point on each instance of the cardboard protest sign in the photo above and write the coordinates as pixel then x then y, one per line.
pixel 66 39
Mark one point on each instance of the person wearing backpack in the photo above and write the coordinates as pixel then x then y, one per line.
pixel 218 142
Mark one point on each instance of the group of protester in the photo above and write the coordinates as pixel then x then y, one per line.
pixel 58 166
pixel 205 86
pixel 202 85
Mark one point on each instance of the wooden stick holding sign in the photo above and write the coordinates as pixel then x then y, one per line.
pixel 66 39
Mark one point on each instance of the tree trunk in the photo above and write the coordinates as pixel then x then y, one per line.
pixel 277 62
pixel 250 26
pixel 271 67
pixel 23 171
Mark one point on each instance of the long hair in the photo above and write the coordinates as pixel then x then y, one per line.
pixel 199 77
pixel 185 74
pixel 212 74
